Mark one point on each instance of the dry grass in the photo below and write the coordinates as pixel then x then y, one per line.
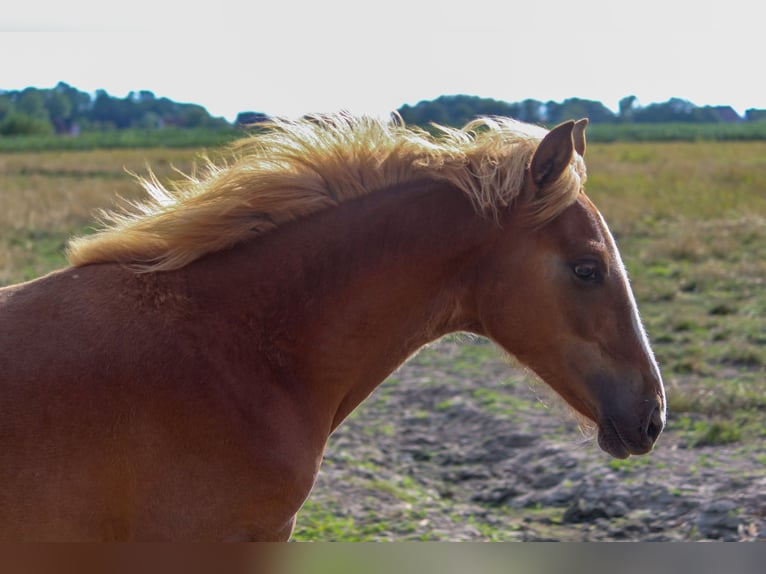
pixel 638 184
pixel 640 187
pixel 691 223
pixel 47 197
pixel 61 189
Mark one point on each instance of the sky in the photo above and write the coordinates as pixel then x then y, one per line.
pixel 290 58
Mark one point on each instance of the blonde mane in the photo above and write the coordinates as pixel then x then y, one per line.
pixel 296 168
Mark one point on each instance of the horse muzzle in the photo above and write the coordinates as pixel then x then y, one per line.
pixel 621 436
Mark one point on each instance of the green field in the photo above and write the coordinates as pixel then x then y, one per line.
pixel 121 139
pixel 690 219
pixel 199 137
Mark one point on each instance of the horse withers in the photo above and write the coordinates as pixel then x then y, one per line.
pixel 179 381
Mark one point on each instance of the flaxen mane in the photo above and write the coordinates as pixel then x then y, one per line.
pixel 295 168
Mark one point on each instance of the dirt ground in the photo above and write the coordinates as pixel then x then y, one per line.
pixel 460 445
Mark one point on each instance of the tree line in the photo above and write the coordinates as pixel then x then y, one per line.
pixel 459 109
pixel 67 110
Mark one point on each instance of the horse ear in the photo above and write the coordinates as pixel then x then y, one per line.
pixel 553 154
pixel 578 134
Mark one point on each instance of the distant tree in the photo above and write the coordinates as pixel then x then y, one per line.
pixel 456 110
pixel 31 102
pixel 194 116
pixel 627 107
pixel 531 111
pixel 476 106
pixel 65 107
pixel 576 108
pixel 755 115
pixel 108 111
pixel 103 110
pixel 148 121
pixel 6 105
pixel 250 118
pixel 715 114
pixel 59 109
pixel 146 96
pixel 674 110
pixel 80 102
pixel 424 113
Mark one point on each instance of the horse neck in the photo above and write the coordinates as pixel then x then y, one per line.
pixel 347 295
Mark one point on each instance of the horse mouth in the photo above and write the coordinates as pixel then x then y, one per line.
pixel 614 443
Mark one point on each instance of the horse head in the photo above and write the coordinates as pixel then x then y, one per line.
pixel 557 297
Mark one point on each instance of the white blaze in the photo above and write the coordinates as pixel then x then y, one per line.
pixel 638 326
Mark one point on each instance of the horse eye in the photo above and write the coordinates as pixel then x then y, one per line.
pixel 586 270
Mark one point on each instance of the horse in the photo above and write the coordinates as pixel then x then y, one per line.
pixel 179 380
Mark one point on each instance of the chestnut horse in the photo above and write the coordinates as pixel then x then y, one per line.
pixel 181 379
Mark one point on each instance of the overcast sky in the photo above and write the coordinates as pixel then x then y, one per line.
pixel 290 58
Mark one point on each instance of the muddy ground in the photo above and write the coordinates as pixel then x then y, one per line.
pixel 460 445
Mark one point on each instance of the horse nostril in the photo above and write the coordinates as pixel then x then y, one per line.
pixel 655 425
